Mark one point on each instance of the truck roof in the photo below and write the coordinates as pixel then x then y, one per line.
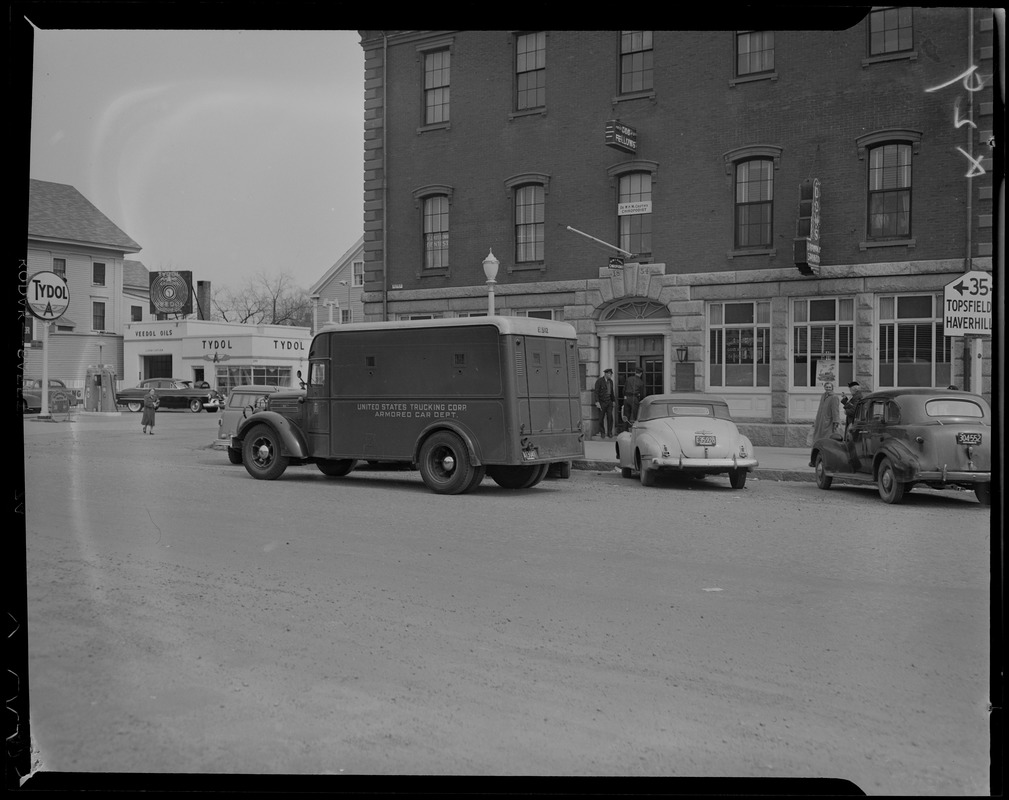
pixel 523 326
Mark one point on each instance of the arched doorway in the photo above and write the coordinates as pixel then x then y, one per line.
pixel 635 332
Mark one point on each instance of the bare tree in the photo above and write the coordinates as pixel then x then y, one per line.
pixel 264 300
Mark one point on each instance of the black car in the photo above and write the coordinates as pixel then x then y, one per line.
pixel 172 393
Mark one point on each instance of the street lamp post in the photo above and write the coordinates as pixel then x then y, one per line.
pixel 490 265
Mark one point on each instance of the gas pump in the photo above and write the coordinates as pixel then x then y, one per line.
pixel 100 388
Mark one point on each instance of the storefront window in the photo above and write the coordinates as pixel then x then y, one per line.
pixel 739 344
pixel 230 377
pixel 912 348
pixel 823 329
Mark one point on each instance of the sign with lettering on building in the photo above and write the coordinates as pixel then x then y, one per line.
pixel 639 207
pixel 171 292
pixel 807 238
pixel 967 305
pixel 621 137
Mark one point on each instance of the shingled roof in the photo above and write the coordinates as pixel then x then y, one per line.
pixel 58 212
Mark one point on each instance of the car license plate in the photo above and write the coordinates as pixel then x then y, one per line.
pixel 704 439
pixel 530 455
pixel 968 438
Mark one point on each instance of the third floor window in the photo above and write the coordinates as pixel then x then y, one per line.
pixel 890 31
pixel 754 52
pixel 437 71
pixel 635 61
pixel 530 70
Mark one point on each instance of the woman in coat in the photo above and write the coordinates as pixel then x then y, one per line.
pixel 150 407
pixel 829 417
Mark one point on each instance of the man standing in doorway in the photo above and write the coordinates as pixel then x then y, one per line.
pixel 634 390
pixel 606 396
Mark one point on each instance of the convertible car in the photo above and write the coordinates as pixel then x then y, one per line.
pixel 902 437
pixel 172 393
pixel 685 433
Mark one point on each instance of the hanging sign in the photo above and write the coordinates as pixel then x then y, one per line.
pixel 621 137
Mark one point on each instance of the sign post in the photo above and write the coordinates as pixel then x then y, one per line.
pixel 48 297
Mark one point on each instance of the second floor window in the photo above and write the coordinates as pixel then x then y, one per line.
pixel 98 274
pixel 754 52
pixel 529 216
pixel 635 61
pixel 890 31
pixel 60 267
pixel 634 212
pixel 136 314
pixel 890 191
pixel 754 202
pixel 97 316
pixel 436 232
pixel 531 70
pixel 437 71
pixel 358 267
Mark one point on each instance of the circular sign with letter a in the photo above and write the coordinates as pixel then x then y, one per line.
pixel 47 295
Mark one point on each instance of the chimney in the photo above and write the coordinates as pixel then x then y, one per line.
pixel 203 299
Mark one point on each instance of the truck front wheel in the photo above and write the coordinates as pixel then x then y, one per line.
pixel 261 453
pixel 445 464
pixel 336 468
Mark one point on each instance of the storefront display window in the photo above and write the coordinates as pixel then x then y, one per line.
pixel 739 339
pixel 912 348
pixel 229 377
pixel 823 329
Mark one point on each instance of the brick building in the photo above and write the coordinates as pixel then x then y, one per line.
pixel 645 186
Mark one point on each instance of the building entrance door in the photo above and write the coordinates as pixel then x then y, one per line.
pixel 639 351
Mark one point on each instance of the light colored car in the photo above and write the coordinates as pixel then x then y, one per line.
pixel 690 434
pixel 61 397
pixel 242 401
pixel 902 437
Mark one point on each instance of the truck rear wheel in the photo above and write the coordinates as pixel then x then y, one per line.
pixel 445 464
pixel 261 453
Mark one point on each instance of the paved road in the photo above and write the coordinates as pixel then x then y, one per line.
pixel 186 618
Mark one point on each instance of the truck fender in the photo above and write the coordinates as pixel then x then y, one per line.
pixel 447 425
pixel 291 437
pixel 903 458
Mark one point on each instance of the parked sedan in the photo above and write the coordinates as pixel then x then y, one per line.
pixel 902 437
pixel 60 396
pixel 688 434
pixel 172 393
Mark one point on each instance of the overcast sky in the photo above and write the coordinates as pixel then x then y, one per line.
pixel 227 153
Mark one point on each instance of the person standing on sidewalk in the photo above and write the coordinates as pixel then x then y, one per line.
pixel 634 390
pixel 150 408
pixel 606 396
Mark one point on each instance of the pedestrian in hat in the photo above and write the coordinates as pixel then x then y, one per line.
pixel 849 403
pixel 634 390
pixel 606 395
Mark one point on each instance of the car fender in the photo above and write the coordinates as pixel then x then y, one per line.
pixel 460 430
pixel 834 452
pixel 904 459
pixel 292 439
pixel 648 444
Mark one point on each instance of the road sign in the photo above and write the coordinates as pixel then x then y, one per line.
pixel 967 304
pixel 47 295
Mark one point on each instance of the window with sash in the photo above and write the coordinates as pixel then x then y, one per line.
pixel 436 232
pixel 437 72
pixel 754 203
pixel 891 30
pixel 636 60
pixel 739 344
pixel 754 52
pixel 530 70
pixel 823 329
pixel 530 203
pixel 913 351
pixel 889 201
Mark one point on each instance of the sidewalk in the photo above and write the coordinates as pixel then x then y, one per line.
pixel 774 463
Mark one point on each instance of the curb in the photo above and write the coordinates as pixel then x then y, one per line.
pixel 766 474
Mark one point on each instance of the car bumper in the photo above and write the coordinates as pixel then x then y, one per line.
pixel 701 464
pixel 952 476
pixel 211 405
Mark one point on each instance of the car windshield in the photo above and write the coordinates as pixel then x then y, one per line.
pixel 953 408
pixel 661 410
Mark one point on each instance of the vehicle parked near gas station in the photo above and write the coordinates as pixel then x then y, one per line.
pixel 172 393
pixel 61 397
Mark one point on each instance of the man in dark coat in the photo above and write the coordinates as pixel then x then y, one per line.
pixel 605 396
pixel 850 402
pixel 634 390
